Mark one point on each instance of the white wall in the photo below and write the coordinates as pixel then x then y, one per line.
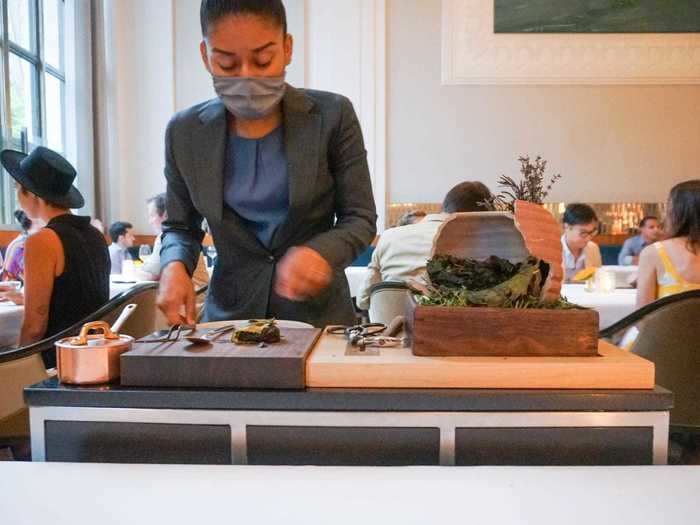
pixel 610 143
pixel 621 143
pixel 142 79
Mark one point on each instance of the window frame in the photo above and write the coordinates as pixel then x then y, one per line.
pixel 40 68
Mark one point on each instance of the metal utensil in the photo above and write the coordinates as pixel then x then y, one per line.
pixel 210 336
pixel 126 313
pixel 172 335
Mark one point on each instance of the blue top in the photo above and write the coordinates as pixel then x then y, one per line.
pixel 632 247
pixel 256 183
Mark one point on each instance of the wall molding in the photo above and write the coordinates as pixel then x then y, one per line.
pixel 345 52
pixel 473 54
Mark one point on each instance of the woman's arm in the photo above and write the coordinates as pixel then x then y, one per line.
pixel 181 243
pixel 42 253
pixel 646 278
pixel 356 215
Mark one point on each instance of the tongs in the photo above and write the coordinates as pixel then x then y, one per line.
pixel 372 334
pixel 172 335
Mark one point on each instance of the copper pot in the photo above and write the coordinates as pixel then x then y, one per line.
pixel 91 359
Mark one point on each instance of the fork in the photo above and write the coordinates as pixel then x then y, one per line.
pixel 173 334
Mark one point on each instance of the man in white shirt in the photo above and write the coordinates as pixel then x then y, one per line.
pixel 150 271
pixel 580 226
pixel 122 239
pixel 402 252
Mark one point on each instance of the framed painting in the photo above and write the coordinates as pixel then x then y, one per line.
pixel 597 16
pixel 472 53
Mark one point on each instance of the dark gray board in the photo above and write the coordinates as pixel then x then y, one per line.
pixel 222 364
pixel 53 393
pixel 597 16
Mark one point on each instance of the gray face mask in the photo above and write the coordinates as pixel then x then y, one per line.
pixel 250 98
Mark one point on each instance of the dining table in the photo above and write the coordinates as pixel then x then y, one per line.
pixel 119 283
pixel 12 315
pixel 611 306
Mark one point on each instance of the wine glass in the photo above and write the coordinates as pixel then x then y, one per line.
pixel 144 252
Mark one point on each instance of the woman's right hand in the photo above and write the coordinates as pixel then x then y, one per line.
pixel 175 293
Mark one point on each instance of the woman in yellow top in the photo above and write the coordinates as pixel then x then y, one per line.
pixel 673 266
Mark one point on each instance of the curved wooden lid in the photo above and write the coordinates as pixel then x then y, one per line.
pixel 532 230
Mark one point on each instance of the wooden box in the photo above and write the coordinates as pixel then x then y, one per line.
pixel 455 331
pixel 481 331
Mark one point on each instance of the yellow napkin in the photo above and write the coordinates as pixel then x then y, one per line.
pixel 584 274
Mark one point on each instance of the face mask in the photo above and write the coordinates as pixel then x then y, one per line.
pixel 250 98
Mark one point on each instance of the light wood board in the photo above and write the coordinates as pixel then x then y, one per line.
pixel 614 368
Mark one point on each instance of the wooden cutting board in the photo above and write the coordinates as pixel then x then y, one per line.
pixel 222 364
pixel 329 366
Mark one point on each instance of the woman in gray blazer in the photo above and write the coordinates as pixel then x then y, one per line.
pixel 280 174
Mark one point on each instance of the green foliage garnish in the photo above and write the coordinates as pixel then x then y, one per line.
pixel 494 282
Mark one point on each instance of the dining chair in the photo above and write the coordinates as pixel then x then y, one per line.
pixel 21 367
pixel 669 336
pixel 387 300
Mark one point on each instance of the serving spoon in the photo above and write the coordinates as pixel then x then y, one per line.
pixel 211 336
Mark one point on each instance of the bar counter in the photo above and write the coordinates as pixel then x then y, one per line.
pixel 348 426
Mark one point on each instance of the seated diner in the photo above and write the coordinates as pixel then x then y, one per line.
pixel 580 227
pixel 66 262
pixel 672 266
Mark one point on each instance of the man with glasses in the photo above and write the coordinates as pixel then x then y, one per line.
pixel 580 226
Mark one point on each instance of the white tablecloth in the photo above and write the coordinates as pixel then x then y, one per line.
pixel 356 276
pixel 83 493
pixel 623 274
pixel 611 306
pixel 119 283
pixel 11 317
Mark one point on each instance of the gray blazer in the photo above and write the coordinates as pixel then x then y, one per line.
pixel 331 207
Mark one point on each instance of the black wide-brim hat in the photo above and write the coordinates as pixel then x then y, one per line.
pixel 46 174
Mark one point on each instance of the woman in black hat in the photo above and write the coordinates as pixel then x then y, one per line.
pixel 67 262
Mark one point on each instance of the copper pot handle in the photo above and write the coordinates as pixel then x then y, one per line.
pixel 82 338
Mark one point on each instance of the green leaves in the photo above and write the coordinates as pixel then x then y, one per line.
pixel 445 270
pixel 494 282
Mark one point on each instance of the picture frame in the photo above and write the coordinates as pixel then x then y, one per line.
pixel 473 54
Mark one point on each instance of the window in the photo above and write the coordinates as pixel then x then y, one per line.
pixel 33 87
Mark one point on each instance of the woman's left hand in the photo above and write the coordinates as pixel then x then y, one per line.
pixel 302 273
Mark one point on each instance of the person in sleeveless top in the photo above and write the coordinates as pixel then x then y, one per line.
pixel 673 266
pixel 66 263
